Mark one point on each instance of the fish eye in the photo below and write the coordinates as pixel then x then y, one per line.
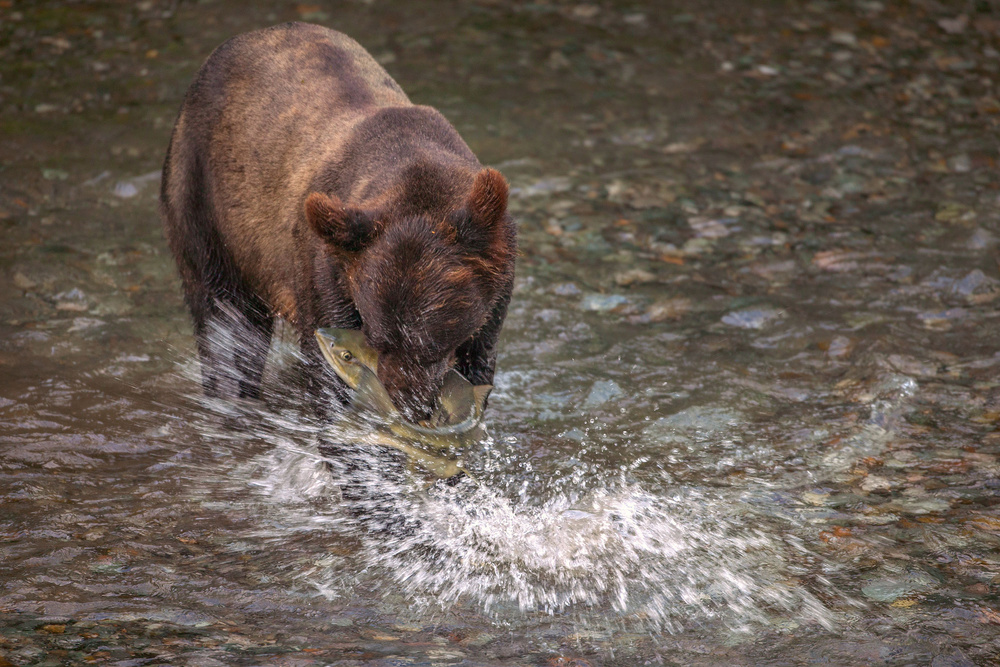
pixel 346 356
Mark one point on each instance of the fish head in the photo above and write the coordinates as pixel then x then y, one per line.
pixel 399 383
pixel 348 354
pixel 355 362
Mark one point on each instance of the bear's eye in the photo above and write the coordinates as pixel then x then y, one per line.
pixel 346 356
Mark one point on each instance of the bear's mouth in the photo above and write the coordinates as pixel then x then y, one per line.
pixel 413 388
pixel 414 405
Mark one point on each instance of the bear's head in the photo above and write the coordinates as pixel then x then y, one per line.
pixel 422 286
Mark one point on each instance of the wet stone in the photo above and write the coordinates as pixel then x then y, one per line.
pixel 955 213
pixel 840 161
pixel 125 190
pixel 889 588
pixel 843 37
pixel 55 174
pixel 709 228
pixel 912 366
pixel 697 246
pixel 633 277
pixel 942 320
pixel 601 392
pixel 977 287
pixel 840 347
pixel 920 505
pixel 751 318
pixel 603 303
pixel 704 420
pixel 817 498
pixel 960 164
pixel 981 239
pixel 661 311
pixel 875 484
pixel 23 282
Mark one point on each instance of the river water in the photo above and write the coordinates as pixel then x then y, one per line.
pixel 747 398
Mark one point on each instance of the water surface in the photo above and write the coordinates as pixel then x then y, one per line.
pixel 747 398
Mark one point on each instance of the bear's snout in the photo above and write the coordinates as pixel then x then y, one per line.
pixel 414 388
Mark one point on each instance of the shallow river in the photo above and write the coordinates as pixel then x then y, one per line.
pixel 747 398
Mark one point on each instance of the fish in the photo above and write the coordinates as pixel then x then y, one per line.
pixel 356 363
pixel 435 444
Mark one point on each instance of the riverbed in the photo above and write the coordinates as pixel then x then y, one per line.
pixel 747 397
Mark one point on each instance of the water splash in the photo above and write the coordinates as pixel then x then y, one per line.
pixel 622 554
pixel 625 550
pixel 653 560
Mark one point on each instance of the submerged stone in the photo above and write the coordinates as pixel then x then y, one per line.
pixel 125 190
pixel 892 587
pixel 699 419
pixel 601 392
pixel 752 318
pixel 920 505
pixel 603 302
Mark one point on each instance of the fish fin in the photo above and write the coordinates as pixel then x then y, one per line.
pixel 480 393
pixel 456 400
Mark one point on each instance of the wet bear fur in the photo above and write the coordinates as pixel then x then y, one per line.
pixel 301 182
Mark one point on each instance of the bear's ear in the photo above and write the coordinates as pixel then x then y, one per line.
pixel 480 225
pixel 488 199
pixel 344 228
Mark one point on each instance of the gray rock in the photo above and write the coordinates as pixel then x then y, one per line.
pixel 921 505
pixel 960 164
pixel 601 392
pixel 697 419
pixel 976 283
pixel 875 483
pixel 545 186
pixel 981 240
pixel 751 318
pixel 603 302
pixel 892 587
pixel 125 190
pixel 843 38
pixel 566 289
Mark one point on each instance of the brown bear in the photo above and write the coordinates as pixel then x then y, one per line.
pixel 301 182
